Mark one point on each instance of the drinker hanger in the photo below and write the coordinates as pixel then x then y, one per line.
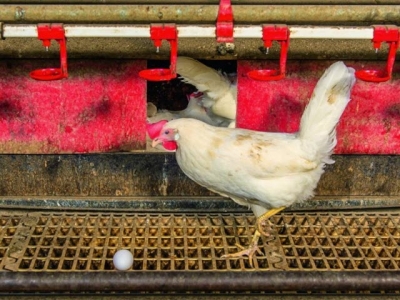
pixel 382 33
pixel 47 32
pixel 279 33
pixel 159 32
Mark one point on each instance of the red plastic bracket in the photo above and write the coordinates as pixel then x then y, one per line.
pixel 159 32
pixel 46 33
pixel 382 33
pixel 279 33
pixel 224 27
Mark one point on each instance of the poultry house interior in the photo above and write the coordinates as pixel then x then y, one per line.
pixel 81 180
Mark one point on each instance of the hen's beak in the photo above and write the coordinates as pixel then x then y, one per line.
pixel 155 142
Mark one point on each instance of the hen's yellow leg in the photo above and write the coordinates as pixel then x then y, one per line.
pixel 253 247
pixel 264 217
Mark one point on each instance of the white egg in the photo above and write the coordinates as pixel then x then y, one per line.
pixel 123 260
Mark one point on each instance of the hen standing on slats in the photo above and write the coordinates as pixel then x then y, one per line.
pixel 263 170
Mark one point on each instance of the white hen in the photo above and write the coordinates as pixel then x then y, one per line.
pixel 265 171
pixel 220 93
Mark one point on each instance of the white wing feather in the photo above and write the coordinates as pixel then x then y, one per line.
pixel 220 94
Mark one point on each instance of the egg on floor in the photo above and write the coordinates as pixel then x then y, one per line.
pixel 123 260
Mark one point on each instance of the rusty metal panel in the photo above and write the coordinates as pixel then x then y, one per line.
pixel 95 175
pixel 100 107
pixel 158 175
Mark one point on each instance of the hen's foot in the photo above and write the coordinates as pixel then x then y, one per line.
pixel 250 251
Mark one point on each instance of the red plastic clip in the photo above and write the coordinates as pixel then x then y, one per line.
pixel 159 32
pixel 271 33
pixel 224 27
pixel 382 33
pixel 47 32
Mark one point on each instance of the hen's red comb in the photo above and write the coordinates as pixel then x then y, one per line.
pixel 154 130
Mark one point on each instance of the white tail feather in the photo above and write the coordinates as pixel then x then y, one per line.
pixel 328 101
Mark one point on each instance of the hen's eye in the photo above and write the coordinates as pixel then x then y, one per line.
pixel 166 132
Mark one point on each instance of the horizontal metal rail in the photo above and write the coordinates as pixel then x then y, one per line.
pixel 176 281
pixel 191 31
pixel 244 14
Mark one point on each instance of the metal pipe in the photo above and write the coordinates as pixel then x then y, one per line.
pixel 337 32
pixel 202 14
pixel 210 204
pixel 143 48
pixel 192 31
pixel 310 32
pixel 205 281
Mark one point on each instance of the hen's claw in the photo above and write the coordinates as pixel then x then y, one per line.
pixel 250 251
pixel 253 248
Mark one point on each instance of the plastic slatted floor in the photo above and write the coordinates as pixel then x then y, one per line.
pixel 87 241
